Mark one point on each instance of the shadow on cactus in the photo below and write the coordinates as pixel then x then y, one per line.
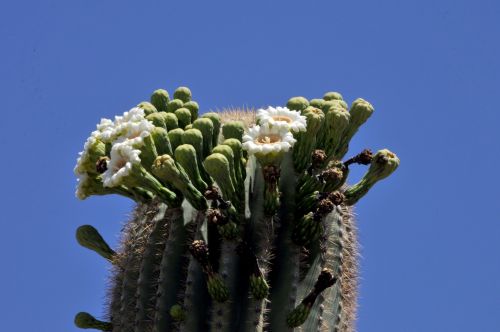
pixel 243 219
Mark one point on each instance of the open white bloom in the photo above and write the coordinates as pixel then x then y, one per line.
pixel 130 125
pixel 265 139
pixel 134 132
pixel 135 114
pixel 123 158
pixel 104 130
pixel 282 117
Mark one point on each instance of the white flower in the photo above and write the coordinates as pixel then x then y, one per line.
pixel 130 125
pixel 104 130
pixel 135 114
pixel 133 132
pixel 282 117
pixel 123 158
pixel 267 139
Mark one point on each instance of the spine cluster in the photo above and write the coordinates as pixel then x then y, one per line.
pixel 243 219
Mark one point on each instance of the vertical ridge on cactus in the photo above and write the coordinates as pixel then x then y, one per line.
pixel 244 219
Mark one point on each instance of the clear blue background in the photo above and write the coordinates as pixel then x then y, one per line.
pixel 430 233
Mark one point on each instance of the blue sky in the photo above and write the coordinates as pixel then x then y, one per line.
pixel 430 233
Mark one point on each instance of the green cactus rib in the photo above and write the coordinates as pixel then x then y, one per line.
pixel 170 274
pixel 224 316
pixel 195 298
pixel 146 284
pixel 260 232
pixel 235 228
pixel 332 258
pixel 137 234
pixel 285 275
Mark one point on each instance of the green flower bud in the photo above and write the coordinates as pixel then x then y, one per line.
pixel 161 140
pixel 327 105
pixel 194 137
pixel 88 237
pixel 228 153
pixel 217 124
pixel 217 288
pixel 147 107
pixel 383 164
pixel 297 103
pixel 298 315
pixel 206 127
pixel 183 94
pixel 258 287
pixel 174 105
pixel 171 121
pixel 317 103
pixel 148 152
pixel 307 230
pixel 175 137
pixel 233 129
pixel 184 116
pixel 194 108
pixel 332 96
pixel 336 122
pixel 160 99
pixel 360 111
pixel 177 313
pixel 186 156
pixel 239 167
pixel 229 231
pixel 158 119
pixel 166 169
pixel 218 167
pixel 85 320
pixel 189 126
pixel 306 141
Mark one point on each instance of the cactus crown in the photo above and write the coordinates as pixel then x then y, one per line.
pixel 243 219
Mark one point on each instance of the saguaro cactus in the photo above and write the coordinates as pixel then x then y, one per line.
pixel 243 219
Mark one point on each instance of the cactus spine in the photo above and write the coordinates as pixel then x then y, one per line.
pixel 243 220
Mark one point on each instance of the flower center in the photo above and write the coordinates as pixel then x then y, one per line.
pixel 120 164
pixel 267 139
pixel 282 118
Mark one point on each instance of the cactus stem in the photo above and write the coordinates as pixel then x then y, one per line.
pixel 271 175
pixel 151 257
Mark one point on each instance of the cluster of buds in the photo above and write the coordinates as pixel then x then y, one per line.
pixel 259 194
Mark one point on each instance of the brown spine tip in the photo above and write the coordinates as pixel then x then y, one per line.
pixel 199 250
pixel 216 217
pixel 318 157
pixel 324 207
pixel 336 197
pixel 363 158
pixel 212 193
pixel 271 174
pixel 331 174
